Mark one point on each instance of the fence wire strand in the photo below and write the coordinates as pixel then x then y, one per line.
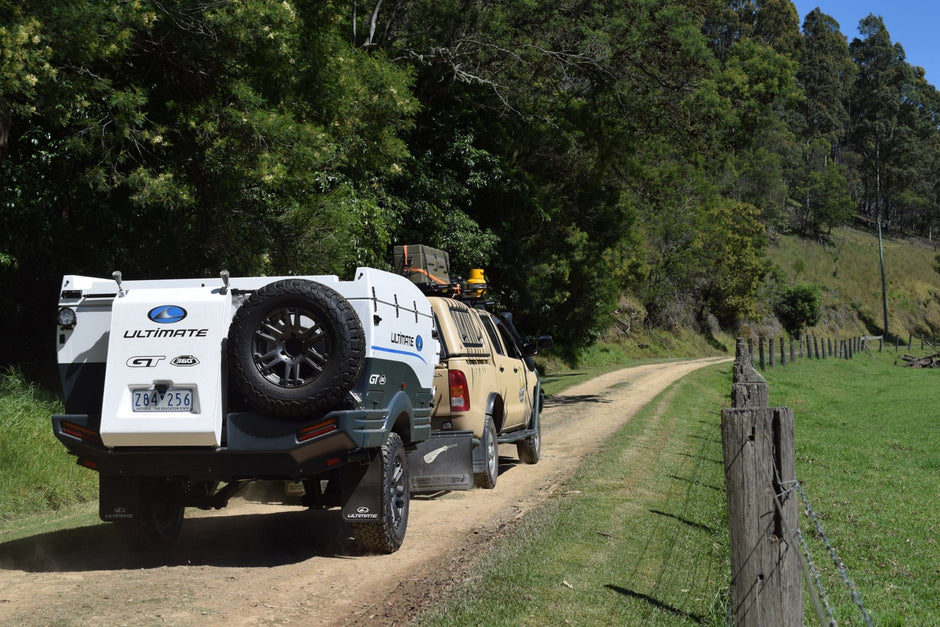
pixel 840 567
pixel 789 487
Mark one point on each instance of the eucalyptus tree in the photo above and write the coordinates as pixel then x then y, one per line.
pixel 881 85
pixel 826 74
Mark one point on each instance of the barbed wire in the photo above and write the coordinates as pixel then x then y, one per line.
pixel 840 567
pixel 794 485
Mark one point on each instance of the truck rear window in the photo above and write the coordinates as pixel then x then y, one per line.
pixel 469 332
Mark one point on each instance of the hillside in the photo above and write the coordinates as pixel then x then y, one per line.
pixel 847 268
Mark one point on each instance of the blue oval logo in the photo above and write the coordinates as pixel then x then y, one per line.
pixel 419 343
pixel 167 314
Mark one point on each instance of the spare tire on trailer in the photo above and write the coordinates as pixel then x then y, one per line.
pixel 295 347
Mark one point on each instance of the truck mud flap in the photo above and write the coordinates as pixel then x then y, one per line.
pixel 443 462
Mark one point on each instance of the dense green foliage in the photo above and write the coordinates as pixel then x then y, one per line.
pixel 578 151
pixel 798 307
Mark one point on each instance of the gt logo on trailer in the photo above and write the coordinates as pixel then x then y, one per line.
pixel 148 361
pixel 166 314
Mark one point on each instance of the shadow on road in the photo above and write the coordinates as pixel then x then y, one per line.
pixel 562 400
pixel 248 540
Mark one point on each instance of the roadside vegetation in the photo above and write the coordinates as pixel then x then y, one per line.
pixel 636 536
pixel 639 534
pixel 36 477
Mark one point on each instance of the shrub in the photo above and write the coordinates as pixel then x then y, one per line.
pixel 798 307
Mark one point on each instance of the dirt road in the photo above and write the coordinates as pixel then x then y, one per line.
pixel 255 564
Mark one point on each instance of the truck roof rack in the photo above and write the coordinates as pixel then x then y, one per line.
pixel 429 269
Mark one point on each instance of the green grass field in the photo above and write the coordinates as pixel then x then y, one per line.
pixel 868 457
pixel 640 535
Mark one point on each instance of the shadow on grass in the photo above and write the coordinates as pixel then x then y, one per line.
pixel 696 483
pixel 695 618
pixel 685 521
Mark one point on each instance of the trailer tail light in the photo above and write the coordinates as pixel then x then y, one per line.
pixel 87 463
pixel 315 430
pixel 82 433
pixel 459 390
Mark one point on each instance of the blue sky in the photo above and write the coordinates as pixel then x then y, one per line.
pixel 912 23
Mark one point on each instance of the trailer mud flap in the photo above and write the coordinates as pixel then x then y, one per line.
pixel 443 462
pixel 119 498
pixel 362 490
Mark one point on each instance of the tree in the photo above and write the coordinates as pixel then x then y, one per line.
pixel 877 96
pixel 174 138
pixel 798 307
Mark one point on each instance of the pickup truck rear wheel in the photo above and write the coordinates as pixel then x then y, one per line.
pixel 386 534
pixel 296 347
pixel 487 478
pixel 530 449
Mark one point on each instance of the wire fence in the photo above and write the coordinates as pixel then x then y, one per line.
pixel 811 573
pixel 758 444
pixel 770 352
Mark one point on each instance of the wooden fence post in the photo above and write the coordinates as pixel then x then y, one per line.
pixel 760 466
pixel 760 348
pixel 783 352
pixel 792 354
pixel 770 349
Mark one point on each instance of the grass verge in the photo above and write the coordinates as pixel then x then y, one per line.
pixel 36 475
pixel 636 536
pixel 639 534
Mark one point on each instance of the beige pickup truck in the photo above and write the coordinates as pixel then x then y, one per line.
pixel 486 387
pixel 486 382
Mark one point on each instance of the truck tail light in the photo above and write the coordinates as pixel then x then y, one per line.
pixel 459 390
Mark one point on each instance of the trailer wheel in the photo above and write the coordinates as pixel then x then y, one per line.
pixel 487 478
pixel 386 534
pixel 296 347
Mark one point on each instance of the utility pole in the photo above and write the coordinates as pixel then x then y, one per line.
pixel 884 292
